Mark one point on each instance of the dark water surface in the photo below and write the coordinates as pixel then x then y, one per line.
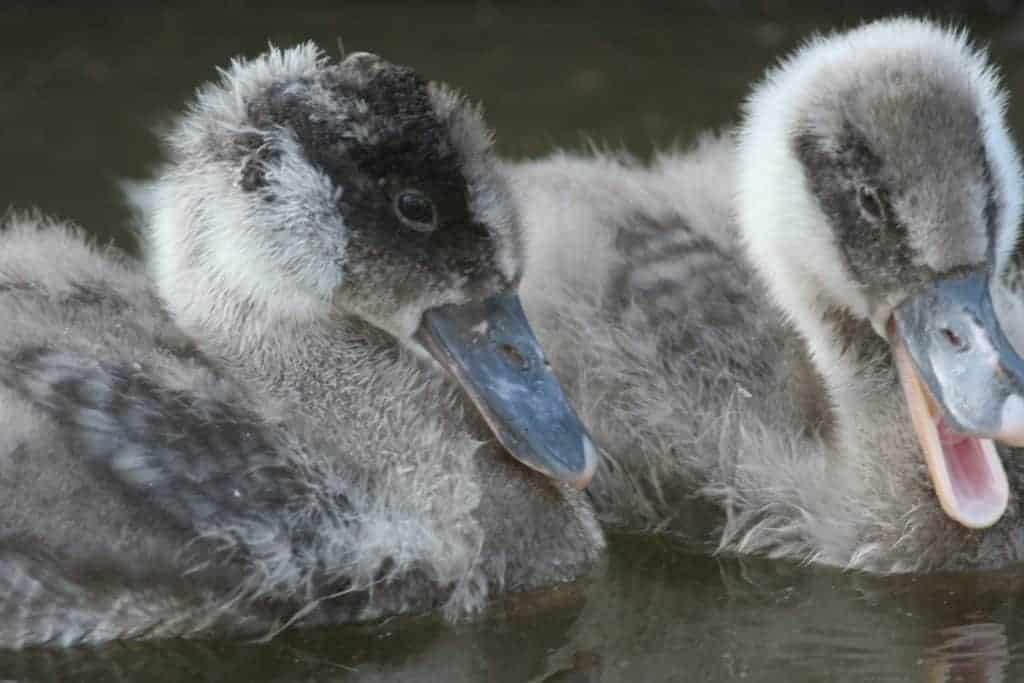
pixel 81 91
pixel 655 613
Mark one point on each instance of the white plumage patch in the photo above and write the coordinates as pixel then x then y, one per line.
pixel 206 234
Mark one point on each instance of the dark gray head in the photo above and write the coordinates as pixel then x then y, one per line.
pixel 357 185
pixel 878 180
pixel 300 190
pixel 896 159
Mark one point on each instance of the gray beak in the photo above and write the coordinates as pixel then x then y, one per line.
pixel 960 353
pixel 491 351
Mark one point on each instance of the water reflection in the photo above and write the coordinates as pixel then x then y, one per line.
pixel 656 612
pixel 970 653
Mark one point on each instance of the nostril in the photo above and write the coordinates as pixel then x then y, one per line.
pixel 953 339
pixel 512 355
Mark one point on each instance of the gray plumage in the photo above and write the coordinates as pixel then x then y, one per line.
pixel 255 441
pixel 719 314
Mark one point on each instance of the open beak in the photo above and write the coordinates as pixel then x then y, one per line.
pixel 964 387
pixel 491 351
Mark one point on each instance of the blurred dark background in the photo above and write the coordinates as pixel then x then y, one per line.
pixel 84 85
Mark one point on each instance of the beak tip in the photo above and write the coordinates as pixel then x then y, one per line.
pixel 590 461
pixel 1011 426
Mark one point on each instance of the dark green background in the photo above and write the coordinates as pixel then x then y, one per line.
pixel 82 86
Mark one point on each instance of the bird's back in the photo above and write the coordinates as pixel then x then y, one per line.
pixel 150 491
pixel 65 527
pixel 665 335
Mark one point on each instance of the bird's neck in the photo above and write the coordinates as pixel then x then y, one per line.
pixel 305 353
pixel 860 378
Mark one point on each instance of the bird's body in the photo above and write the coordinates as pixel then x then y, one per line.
pixel 246 433
pixel 729 317
pixel 666 338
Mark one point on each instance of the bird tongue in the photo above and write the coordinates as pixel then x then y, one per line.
pixel 966 471
pixel 970 473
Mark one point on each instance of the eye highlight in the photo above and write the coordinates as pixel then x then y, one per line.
pixel 416 211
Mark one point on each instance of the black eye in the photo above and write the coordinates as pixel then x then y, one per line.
pixel 870 204
pixel 416 211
